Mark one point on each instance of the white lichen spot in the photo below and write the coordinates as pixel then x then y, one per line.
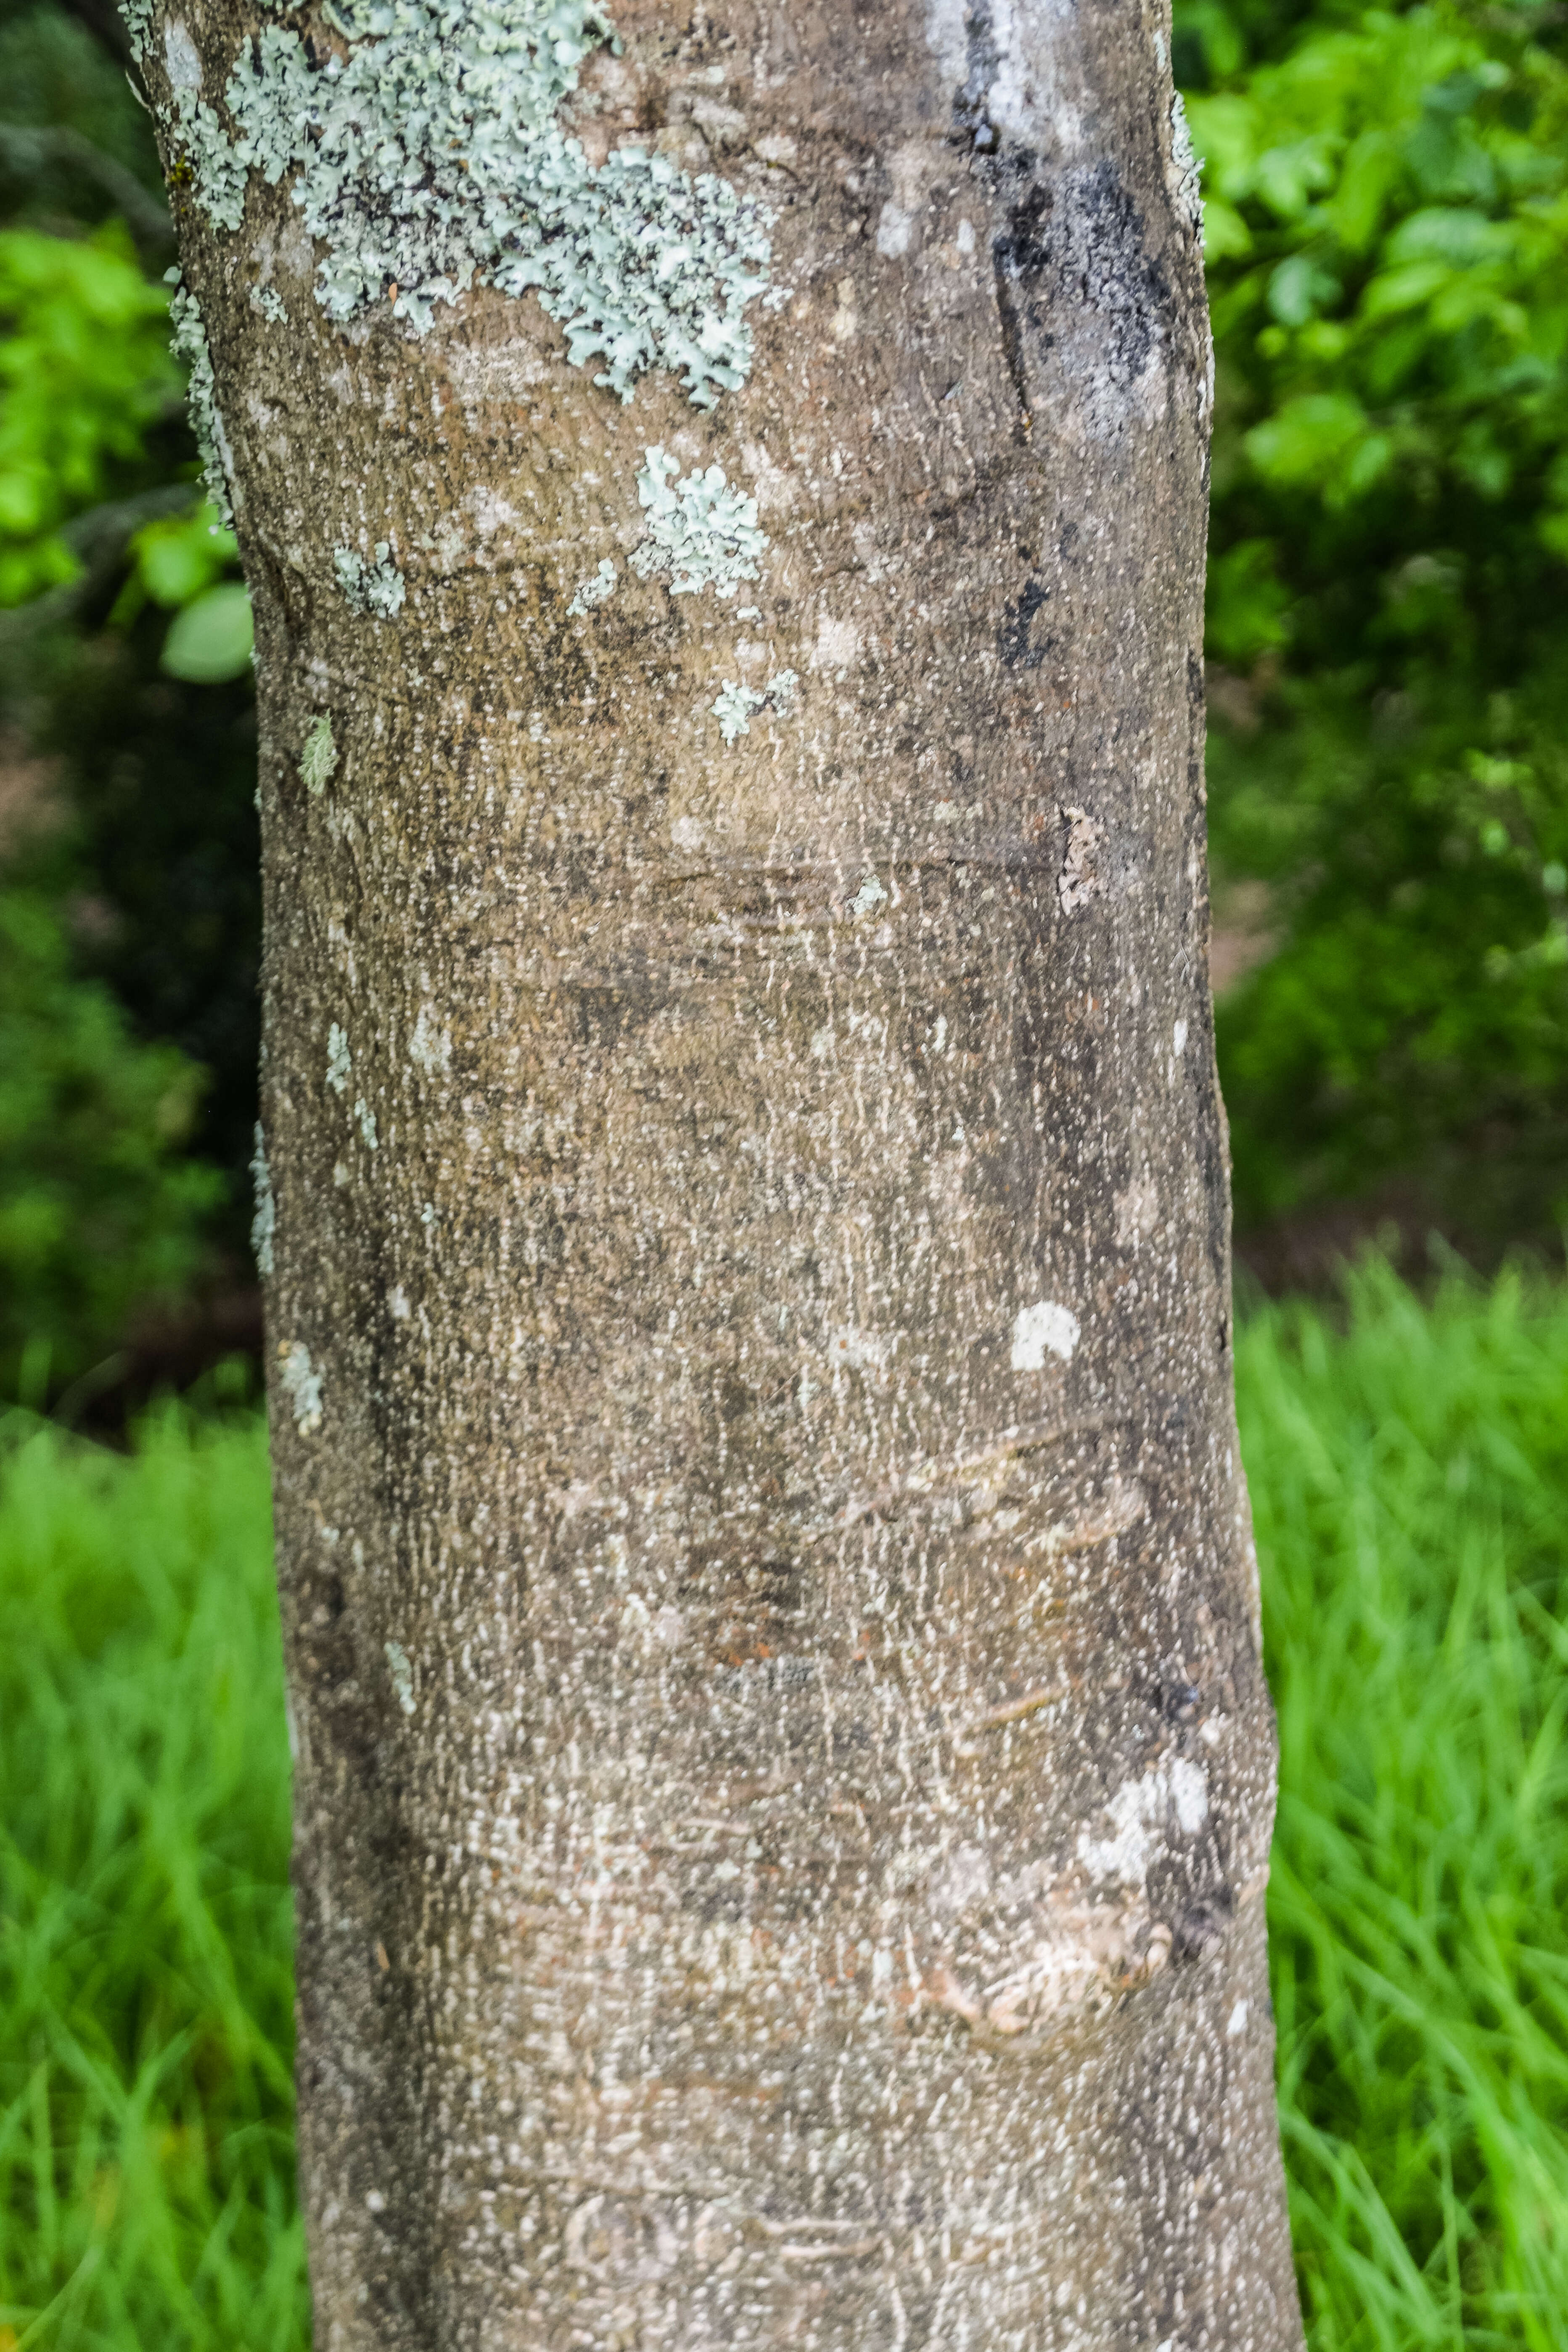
pixel 1137 1212
pixel 1079 880
pixel 340 1059
pixel 1186 169
pixel 264 1223
pixel 781 691
pixel 402 1675
pixel 180 58
pixel 895 227
pixel 1045 1328
pixel 593 591
pixel 1179 1038
pixel 366 1119
pixel 397 1303
pixel 1236 2021
pixel 429 1048
pixel 376 589
pixel 869 896
pixel 301 1385
pixel 702 531
pixel 268 304
pixel 425 155
pixel 1141 1814
pixel 189 342
pixel 318 759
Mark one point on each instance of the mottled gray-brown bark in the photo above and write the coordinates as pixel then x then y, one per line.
pixel 783 1776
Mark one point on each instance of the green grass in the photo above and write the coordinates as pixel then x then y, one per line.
pixel 146 2171
pixel 1410 1476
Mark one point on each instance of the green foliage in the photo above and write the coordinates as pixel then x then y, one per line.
pixel 84 369
pixel 211 639
pixel 1410 1483
pixel 1387 209
pixel 147 2166
pixel 98 1210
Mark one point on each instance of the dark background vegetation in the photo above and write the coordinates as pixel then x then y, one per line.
pixel 1388 249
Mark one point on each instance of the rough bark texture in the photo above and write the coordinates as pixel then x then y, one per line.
pixel 783 1774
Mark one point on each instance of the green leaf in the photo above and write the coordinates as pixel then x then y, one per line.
pixel 211 639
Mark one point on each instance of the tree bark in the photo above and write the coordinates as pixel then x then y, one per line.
pixel 784 1775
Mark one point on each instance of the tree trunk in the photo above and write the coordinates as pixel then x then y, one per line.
pixel 783 1776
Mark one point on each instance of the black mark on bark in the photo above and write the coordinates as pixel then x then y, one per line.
pixel 1012 638
pixel 982 62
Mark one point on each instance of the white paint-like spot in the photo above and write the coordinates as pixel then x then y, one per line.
pixel 963 1879
pixel 301 1385
pixel 1179 1037
pixel 397 1304
pixel 403 1684
pixel 376 2203
pixel 1136 1212
pixel 894 229
pixel 340 1059
pixel 429 1048
pixel 860 1352
pixel 1046 1326
pixel 964 237
pixel 870 895
pixel 264 1223
pixel 1191 1791
pixel 1236 2021
pixel 180 57
pixel 838 643
pixel 1140 1815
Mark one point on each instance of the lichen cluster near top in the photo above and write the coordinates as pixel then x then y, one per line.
pixel 429 156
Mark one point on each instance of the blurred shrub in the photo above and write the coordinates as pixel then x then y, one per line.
pixel 98 1210
pixel 84 369
pixel 1387 226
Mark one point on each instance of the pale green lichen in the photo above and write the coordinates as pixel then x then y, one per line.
pixel 733 707
pixel 138 17
pixel 340 1060
pixel 430 157
pixel 594 590
pixel 366 1119
pixel 268 303
pixel 375 589
pixel 189 342
pixel 319 760
pixel 264 1223
pixel 702 531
